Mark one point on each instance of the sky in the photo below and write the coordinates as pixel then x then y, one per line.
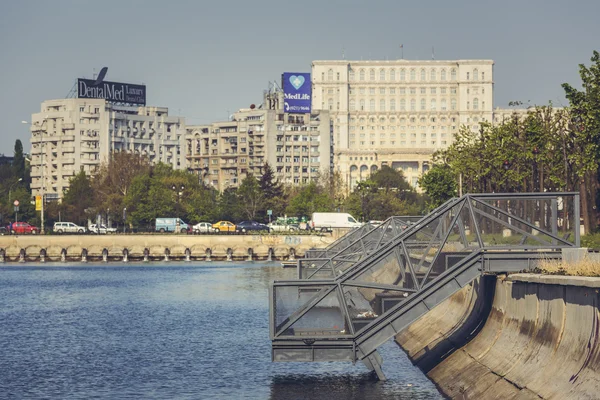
pixel 206 59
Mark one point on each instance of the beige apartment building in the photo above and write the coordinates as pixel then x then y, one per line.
pixel 296 146
pixel 74 134
pixel 398 113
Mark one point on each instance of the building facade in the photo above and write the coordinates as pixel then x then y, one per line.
pixel 297 146
pixel 398 113
pixel 71 135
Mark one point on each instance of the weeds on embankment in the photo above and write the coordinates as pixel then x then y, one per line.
pixel 580 268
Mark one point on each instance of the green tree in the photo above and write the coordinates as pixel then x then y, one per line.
pixel 229 206
pixel 309 199
pixel 18 163
pixel 272 189
pixel 440 184
pixel 78 199
pixel 251 197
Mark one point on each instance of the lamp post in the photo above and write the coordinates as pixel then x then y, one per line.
pixel 179 194
pixel 43 189
pixel 124 217
pixel 10 188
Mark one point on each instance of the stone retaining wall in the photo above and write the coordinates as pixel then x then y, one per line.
pixel 526 336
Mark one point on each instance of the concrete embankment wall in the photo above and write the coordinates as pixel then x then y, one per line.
pixel 522 337
pixel 196 247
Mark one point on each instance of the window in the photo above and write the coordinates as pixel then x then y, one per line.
pixel 330 104
pixel 322 76
pixel 402 90
pixel 371 105
pixel 433 75
pixel 475 74
pixel 443 104
pixel 452 74
pixel 362 105
pixel 432 91
pixel 483 76
pixel 361 90
pixel 402 105
pixel 423 90
pixel 382 75
pixel 402 74
pixel 351 74
pixel 467 76
pixel 475 103
pixel 443 90
pixel 413 75
pixel 338 76
pixel 381 90
pixel 423 75
pixel 453 104
pixel 330 75
pixel 468 105
pixel 392 90
pixel 361 75
pixel 352 105
pixel 372 75
pixel 433 105
pixel 382 105
pixel 392 105
pixel 422 104
pixel 483 105
pixel 372 91
pixel 413 90
pixel 392 75
pixel 443 75
pixel 412 105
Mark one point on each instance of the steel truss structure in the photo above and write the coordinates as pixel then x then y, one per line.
pixel 375 288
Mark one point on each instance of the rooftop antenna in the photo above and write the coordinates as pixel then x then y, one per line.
pixel 432 53
pixel 343 53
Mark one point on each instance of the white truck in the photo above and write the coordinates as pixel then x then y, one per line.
pixel 325 221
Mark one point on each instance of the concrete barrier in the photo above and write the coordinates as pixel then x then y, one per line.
pixel 532 336
pixel 176 247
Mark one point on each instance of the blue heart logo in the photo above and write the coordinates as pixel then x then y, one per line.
pixel 297 81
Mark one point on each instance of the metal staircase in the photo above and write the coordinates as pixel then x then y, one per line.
pixel 347 317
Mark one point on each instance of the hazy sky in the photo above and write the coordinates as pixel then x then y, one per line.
pixel 206 59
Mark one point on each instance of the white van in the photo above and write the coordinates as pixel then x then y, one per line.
pixel 326 221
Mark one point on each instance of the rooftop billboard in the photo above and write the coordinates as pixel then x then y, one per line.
pixel 114 92
pixel 297 91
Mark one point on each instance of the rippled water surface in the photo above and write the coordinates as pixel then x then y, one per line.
pixel 185 331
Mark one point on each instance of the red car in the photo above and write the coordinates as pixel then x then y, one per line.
pixel 19 228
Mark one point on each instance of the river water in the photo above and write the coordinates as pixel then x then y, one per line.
pixel 165 331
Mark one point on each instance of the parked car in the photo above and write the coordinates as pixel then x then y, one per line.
pixel 20 228
pixel 172 225
pixel 247 226
pixel 103 229
pixel 68 227
pixel 203 227
pixel 224 226
pixel 278 226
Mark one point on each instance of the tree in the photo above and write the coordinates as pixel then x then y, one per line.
pixel 251 197
pixel 18 164
pixel 388 179
pixel 272 190
pixel 229 207
pixel 78 199
pixel 440 184
pixel 309 199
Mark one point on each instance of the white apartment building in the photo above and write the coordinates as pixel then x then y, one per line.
pixel 296 146
pixel 398 113
pixel 69 135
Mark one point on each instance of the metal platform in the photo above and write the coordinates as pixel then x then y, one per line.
pixel 348 316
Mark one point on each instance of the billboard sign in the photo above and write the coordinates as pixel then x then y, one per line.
pixel 114 92
pixel 297 91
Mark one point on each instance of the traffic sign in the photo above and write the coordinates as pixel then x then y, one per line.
pixel 269 212
pixel 16 203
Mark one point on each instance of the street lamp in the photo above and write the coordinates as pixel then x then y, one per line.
pixel 124 217
pixel 43 189
pixel 179 194
pixel 10 188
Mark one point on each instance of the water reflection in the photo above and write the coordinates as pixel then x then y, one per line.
pixel 165 331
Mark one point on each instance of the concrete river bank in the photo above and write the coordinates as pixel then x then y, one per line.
pixel 77 248
pixel 525 336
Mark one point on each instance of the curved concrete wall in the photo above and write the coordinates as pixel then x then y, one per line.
pixel 155 247
pixel 541 338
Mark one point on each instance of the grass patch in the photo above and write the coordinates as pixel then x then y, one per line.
pixel 581 268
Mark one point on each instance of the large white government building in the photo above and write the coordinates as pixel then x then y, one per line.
pixel 73 134
pixel 398 113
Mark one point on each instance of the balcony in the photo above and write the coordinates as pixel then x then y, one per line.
pixel 69 149
pixel 68 126
pixel 68 161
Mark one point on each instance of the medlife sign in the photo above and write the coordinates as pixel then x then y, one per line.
pixel 297 91
pixel 114 92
